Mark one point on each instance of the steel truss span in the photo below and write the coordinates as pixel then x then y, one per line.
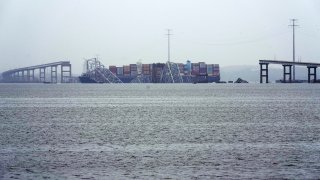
pixel 97 72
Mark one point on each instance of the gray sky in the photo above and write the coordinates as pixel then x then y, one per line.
pixel 226 32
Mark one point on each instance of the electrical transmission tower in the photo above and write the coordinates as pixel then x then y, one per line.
pixel 170 72
pixel 293 25
pixel 98 73
pixel 169 43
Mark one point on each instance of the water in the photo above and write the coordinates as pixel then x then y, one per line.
pixel 150 131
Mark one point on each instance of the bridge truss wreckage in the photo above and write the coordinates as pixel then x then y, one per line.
pixel 171 73
pixel 96 72
pixel 168 72
pixel 142 79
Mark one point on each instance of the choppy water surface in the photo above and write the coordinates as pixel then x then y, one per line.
pixel 150 131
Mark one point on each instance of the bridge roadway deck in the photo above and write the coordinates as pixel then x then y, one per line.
pixel 290 63
pixel 287 70
pixel 63 63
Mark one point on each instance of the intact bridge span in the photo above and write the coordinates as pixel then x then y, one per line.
pixel 40 73
pixel 287 70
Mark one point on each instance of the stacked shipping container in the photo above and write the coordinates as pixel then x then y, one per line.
pixel 126 70
pixel 202 68
pixel 146 69
pixel 133 70
pixel 195 69
pixel 120 71
pixel 216 70
pixel 210 69
pixel 113 69
pixel 155 70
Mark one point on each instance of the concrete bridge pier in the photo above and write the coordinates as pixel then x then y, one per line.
pixel 65 73
pixel 314 73
pixel 287 73
pixel 33 75
pixel 30 75
pixel 23 76
pixel 13 76
pixel 42 74
pixel 264 72
pixel 54 76
pixel 19 76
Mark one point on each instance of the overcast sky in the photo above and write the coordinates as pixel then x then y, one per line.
pixel 226 32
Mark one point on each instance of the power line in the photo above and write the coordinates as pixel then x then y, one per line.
pixel 240 42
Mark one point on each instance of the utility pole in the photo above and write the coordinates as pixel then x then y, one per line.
pixel 169 43
pixel 293 25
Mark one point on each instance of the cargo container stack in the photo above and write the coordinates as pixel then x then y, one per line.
pixel 216 70
pixel 190 72
pixel 113 69
pixel 126 70
pixel 146 70
pixel 119 71
pixel 202 69
pixel 210 69
pixel 133 70
pixel 195 69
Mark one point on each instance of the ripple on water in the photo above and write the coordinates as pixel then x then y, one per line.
pixel 205 131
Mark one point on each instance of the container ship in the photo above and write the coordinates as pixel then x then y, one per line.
pixel 188 72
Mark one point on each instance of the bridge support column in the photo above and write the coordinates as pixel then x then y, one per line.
pixel 18 76
pixel 65 73
pixel 264 72
pixel 42 73
pixel 15 76
pixel 23 76
pixel 32 75
pixel 314 73
pixel 28 75
pixel 12 76
pixel 285 73
pixel 54 76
